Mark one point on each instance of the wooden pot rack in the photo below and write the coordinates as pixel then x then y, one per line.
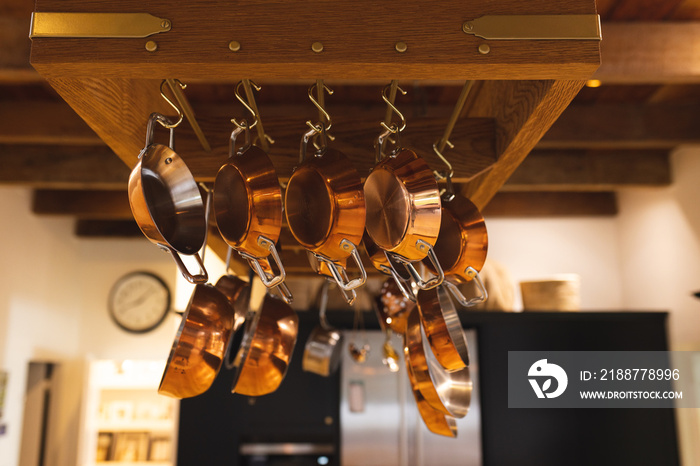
pixel 537 57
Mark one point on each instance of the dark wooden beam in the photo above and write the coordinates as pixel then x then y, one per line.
pixel 551 204
pixel 88 228
pixel 624 126
pixel 62 167
pixel 653 52
pixel 580 170
pixel 89 204
pixel 43 122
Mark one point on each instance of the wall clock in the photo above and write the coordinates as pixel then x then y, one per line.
pixel 139 302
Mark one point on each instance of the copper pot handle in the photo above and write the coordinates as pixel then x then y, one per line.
pixel 406 291
pixel 470 271
pixel 423 284
pixel 338 271
pixel 202 277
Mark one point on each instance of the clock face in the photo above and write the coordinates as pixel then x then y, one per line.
pixel 139 302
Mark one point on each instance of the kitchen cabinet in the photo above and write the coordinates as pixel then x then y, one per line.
pixel 126 422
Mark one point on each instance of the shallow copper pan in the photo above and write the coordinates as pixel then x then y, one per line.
pixel 325 208
pixel 442 328
pixel 200 344
pixel 264 348
pixel 436 421
pixel 248 207
pixel 462 246
pixel 393 307
pixel 448 392
pixel 166 202
pixel 403 211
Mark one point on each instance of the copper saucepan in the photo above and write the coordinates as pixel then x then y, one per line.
pixel 264 348
pixel 443 328
pixel 403 210
pixel 462 245
pixel 436 421
pixel 200 344
pixel 166 202
pixel 248 207
pixel 447 391
pixel 325 209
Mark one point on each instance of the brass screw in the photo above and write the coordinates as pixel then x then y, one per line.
pixel 401 47
pixel 151 46
pixel 165 24
pixel 484 49
pixel 467 26
pixel 317 47
pixel 234 46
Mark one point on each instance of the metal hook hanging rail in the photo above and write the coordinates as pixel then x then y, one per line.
pixel 176 88
pixel 180 115
pixel 265 140
pixel 387 124
pixel 439 145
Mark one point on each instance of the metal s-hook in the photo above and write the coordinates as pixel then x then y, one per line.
pixel 180 115
pixel 243 124
pixel 388 125
pixel 319 103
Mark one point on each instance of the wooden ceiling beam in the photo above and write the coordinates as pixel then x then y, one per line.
pixel 650 52
pixel 624 126
pixel 581 170
pixel 551 204
pixel 43 122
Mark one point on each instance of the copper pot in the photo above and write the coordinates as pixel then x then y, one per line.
pixel 264 348
pixel 461 246
pixel 248 207
pixel 200 344
pixel 403 210
pixel 325 209
pixel 393 307
pixel 447 391
pixel 166 202
pixel 443 328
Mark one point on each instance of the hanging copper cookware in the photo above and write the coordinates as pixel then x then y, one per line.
pixel 393 307
pixel 325 205
pixel 436 421
pixel 264 348
pixel 200 344
pixel 447 391
pixel 248 207
pixel 323 349
pixel 403 205
pixel 443 329
pixel 462 245
pixel 166 202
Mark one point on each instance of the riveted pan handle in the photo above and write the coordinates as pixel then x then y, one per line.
pixel 422 283
pixel 260 264
pixel 338 271
pixel 201 277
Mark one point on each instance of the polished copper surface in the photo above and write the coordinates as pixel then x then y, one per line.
pixel 200 344
pixel 448 392
pixel 248 202
pixel 436 421
pixel 376 254
pixel 325 203
pixel 392 307
pixel 322 268
pixel 463 240
pixel 442 328
pixel 166 202
pixel 265 348
pixel 403 205
pixel 238 293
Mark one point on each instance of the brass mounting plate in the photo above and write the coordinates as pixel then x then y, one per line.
pixel 105 25
pixel 535 27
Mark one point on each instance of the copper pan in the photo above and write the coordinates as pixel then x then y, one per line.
pixel 403 210
pixel 264 348
pixel 325 209
pixel 436 421
pixel 448 392
pixel 200 344
pixel 461 246
pixel 166 202
pixel 248 207
pixel 383 263
pixel 443 329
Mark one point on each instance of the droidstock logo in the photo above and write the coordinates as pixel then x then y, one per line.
pixel 541 374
